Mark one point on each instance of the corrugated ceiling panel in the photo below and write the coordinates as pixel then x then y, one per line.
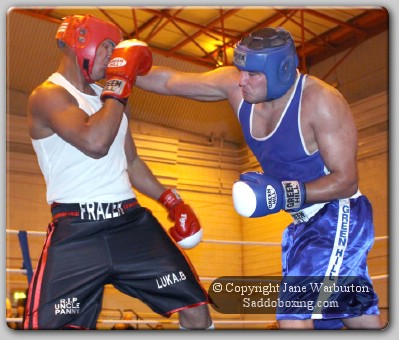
pixel 31 51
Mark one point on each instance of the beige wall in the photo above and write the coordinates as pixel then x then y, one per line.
pixel 361 73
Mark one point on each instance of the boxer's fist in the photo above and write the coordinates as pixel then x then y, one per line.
pixel 187 231
pixel 129 59
pixel 257 194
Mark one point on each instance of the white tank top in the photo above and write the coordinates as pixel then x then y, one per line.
pixel 73 177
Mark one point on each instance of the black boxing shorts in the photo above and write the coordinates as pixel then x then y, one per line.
pixel 122 244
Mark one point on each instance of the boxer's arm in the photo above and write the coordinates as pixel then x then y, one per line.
pixel 336 137
pixel 215 85
pixel 140 176
pixel 187 231
pixel 51 109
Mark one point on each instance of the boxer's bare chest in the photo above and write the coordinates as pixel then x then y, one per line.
pixel 266 119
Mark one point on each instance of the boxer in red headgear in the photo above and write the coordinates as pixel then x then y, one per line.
pixel 84 34
pixel 99 233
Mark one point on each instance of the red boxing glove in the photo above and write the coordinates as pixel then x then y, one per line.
pixel 187 231
pixel 129 59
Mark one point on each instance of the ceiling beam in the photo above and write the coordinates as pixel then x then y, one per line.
pixel 340 23
pixel 203 29
pixel 343 35
pixel 372 22
pixel 208 27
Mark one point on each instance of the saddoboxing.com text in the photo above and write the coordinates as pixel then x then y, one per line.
pixel 304 304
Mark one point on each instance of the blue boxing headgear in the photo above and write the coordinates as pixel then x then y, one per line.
pixel 272 52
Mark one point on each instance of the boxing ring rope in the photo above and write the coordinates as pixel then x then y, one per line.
pixel 107 321
pixel 33 233
pixel 254 243
pixel 43 233
pixel 166 321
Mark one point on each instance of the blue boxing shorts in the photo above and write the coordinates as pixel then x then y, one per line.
pixel 324 265
pixel 90 245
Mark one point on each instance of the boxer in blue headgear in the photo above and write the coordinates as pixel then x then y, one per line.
pixel 272 52
pixel 302 133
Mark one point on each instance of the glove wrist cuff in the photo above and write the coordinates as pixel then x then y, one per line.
pixel 110 96
pixel 294 195
pixel 170 198
pixel 118 88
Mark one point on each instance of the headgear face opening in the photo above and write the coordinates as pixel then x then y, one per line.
pixel 272 52
pixel 84 34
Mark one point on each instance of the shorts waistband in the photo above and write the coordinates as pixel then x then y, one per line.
pixel 92 211
pixel 307 213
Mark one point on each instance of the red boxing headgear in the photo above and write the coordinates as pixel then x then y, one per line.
pixel 84 34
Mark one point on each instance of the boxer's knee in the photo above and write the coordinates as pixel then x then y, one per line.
pixel 195 318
